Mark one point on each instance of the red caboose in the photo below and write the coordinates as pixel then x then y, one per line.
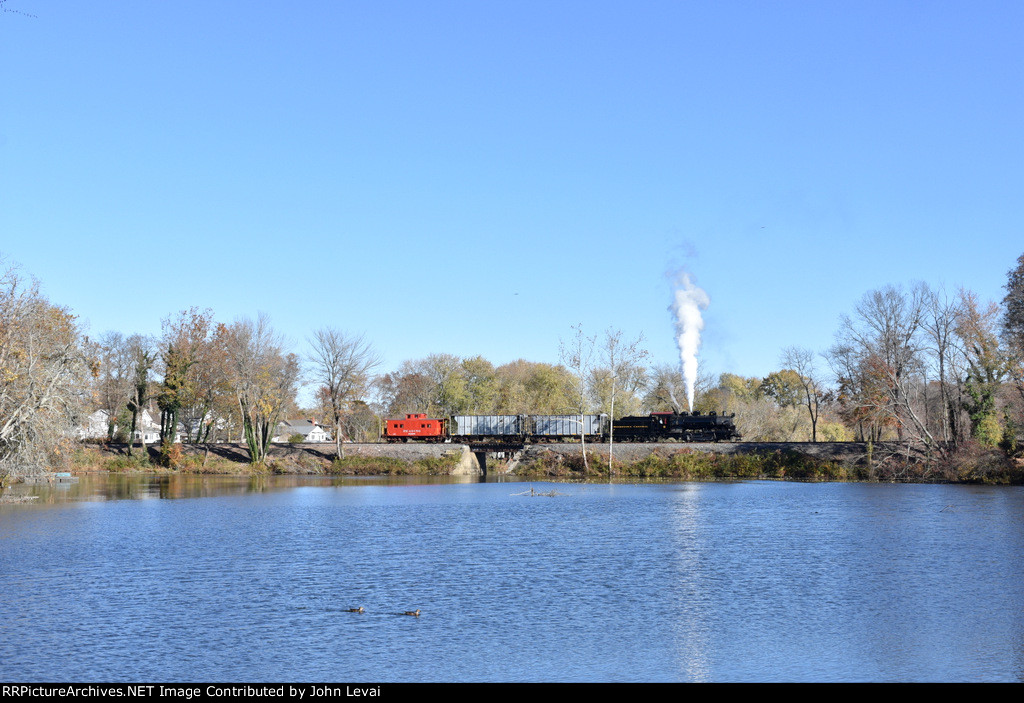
pixel 415 426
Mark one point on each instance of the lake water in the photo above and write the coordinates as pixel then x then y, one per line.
pixel 224 579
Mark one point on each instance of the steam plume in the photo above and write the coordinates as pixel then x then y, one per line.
pixel 689 301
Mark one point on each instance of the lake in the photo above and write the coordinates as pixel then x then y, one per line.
pixel 187 578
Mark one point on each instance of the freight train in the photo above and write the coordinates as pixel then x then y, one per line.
pixel 656 427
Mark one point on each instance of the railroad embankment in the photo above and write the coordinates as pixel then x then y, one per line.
pixel 828 461
pixel 698 461
pixel 319 458
pixel 805 461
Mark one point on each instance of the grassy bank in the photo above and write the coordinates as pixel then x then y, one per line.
pixel 97 458
pixel 970 465
pixel 387 466
pixel 687 464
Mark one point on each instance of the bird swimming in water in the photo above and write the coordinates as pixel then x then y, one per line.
pixel 414 613
pixel 355 610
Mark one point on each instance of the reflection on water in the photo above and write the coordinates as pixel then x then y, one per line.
pixel 114 486
pixel 691 631
pixel 743 581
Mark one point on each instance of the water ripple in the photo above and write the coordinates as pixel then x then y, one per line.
pixel 757 581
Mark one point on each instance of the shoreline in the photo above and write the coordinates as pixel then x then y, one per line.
pixel 804 462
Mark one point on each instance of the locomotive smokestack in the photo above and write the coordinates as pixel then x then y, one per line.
pixel 688 301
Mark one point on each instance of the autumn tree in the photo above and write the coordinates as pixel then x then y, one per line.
pixel 184 348
pixel 446 376
pixel 765 409
pixel 784 388
pixel 862 390
pixel 879 359
pixel 481 385
pixel 263 378
pixel 758 416
pixel 1013 325
pixel 341 365
pixel 211 401
pixel 977 329
pixel 740 388
pixel 443 385
pixel 533 387
pixel 43 375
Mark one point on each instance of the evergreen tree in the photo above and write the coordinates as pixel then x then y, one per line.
pixel 1013 327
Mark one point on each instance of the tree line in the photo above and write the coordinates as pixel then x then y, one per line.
pixel 929 368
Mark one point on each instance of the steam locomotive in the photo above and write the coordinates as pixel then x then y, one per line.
pixel 656 427
pixel 681 427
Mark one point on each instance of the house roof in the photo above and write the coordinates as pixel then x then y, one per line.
pixel 298 426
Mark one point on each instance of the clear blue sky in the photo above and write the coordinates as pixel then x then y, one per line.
pixel 475 177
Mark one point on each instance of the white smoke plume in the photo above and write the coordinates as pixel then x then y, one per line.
pixel 688 301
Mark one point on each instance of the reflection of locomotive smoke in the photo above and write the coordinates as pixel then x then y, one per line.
pixel 689 301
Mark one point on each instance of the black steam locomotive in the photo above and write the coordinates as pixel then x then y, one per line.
pixel 682 427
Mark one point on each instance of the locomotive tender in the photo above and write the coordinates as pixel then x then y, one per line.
pixel 656 427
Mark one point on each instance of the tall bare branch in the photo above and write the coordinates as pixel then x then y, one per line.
pixel 341 366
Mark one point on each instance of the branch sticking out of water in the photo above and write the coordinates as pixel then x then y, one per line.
pixel 532 493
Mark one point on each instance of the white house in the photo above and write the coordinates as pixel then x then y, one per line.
pixel 311 430
pixel 149 431
pixel 95 427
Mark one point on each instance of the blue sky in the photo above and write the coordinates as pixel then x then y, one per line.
pixel 475 177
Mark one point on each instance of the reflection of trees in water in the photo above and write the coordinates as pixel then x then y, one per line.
pixel 257 484
pixel 100 487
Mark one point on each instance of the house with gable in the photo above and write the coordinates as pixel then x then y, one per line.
pixel 95 427
pixel 311 430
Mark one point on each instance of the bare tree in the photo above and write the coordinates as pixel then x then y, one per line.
pixel 939 324
pixel 405 391
pixel 115 377
pixel 801 361
pixel 143 355
pixel 43 372
pixel 624 364
pixel 342 364
pixel 578 356
pixel 666 386
pixel 881 351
